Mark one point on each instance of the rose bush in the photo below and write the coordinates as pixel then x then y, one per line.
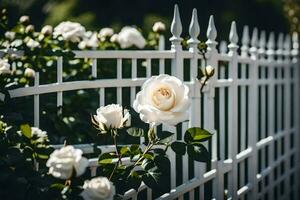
pixel 39 171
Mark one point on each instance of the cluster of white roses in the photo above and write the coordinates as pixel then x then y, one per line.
pixel 75 32
pixel 67 162
pixel 162 99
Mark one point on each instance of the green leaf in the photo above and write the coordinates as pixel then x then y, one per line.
pixel 135 132
pixel 148 156
pixel 165 136
pixel 179 147
pixel 134 180
pixel 58 186
pixel 106 158
pixel 124 150
pixel 26 130
pixel 196 134
pixel 198 152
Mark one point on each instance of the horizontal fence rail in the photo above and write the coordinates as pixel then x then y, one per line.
pixel 251 105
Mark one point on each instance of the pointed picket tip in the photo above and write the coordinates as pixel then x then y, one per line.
pixel 245 37
pixel 233 36
pixel 211 29
pixel 176 26
pixel 262 40
pixel 271 41
pixel 280 41
pixel 254 37
pixel 194 28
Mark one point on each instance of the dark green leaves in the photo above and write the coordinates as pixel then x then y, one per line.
pixel 196 134
pixel 192 144
pixel 179 147
pixel 165 136
pixel 135 132
pixel 198 152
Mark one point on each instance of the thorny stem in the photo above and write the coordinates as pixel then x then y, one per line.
pixel 114 135
pixel 148 148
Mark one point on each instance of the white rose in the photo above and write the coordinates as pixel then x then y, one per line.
pixel 130 36
pixel 90 40
pixel 106 32
pixel 209 71
pixel 163 99
pixel 42 136
pixel 114 38
pixel 159 27
pixel 63 161
pixel 111 117
pixel 32 43
pixel 29 28
pixel 70 31
pixel 47 30
pixel 24 19
pixel 29 72
pixel 10 35
pixel 98 189
pixel 4 67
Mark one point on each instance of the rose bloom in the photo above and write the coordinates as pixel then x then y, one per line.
pixel 209 71
pixel 42 136
pixel 63 161
pixel 98 188
pixel 32 43
pixel 70 31
pixel 47 30
pixel 114 38
pixel 4 67
pixel 29 73
pixel 105 32
pixel 130 36
pixel 159 27
pixel 90 41
pixel 111 117
pixel 163 99
pixel 10 35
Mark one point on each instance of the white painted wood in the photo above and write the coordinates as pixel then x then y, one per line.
pixel 119 77
pixel 37 101
pixel 94 67
pixel 59 80
pixel 232 107
pixel 253 113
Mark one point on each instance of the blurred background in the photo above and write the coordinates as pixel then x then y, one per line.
pixel 269 15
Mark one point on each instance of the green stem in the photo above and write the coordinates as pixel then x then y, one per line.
pixel 114 135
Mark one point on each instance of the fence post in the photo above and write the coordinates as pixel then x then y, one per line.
pixel 209 107
pixel 176 70
pixel 37 101
pixel 253 113
pixel 287 107
pixel 194 121
pixel 59 81
pixel 232 108
pixel 296 83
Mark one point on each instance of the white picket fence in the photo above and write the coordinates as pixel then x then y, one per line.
pixel 251 105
